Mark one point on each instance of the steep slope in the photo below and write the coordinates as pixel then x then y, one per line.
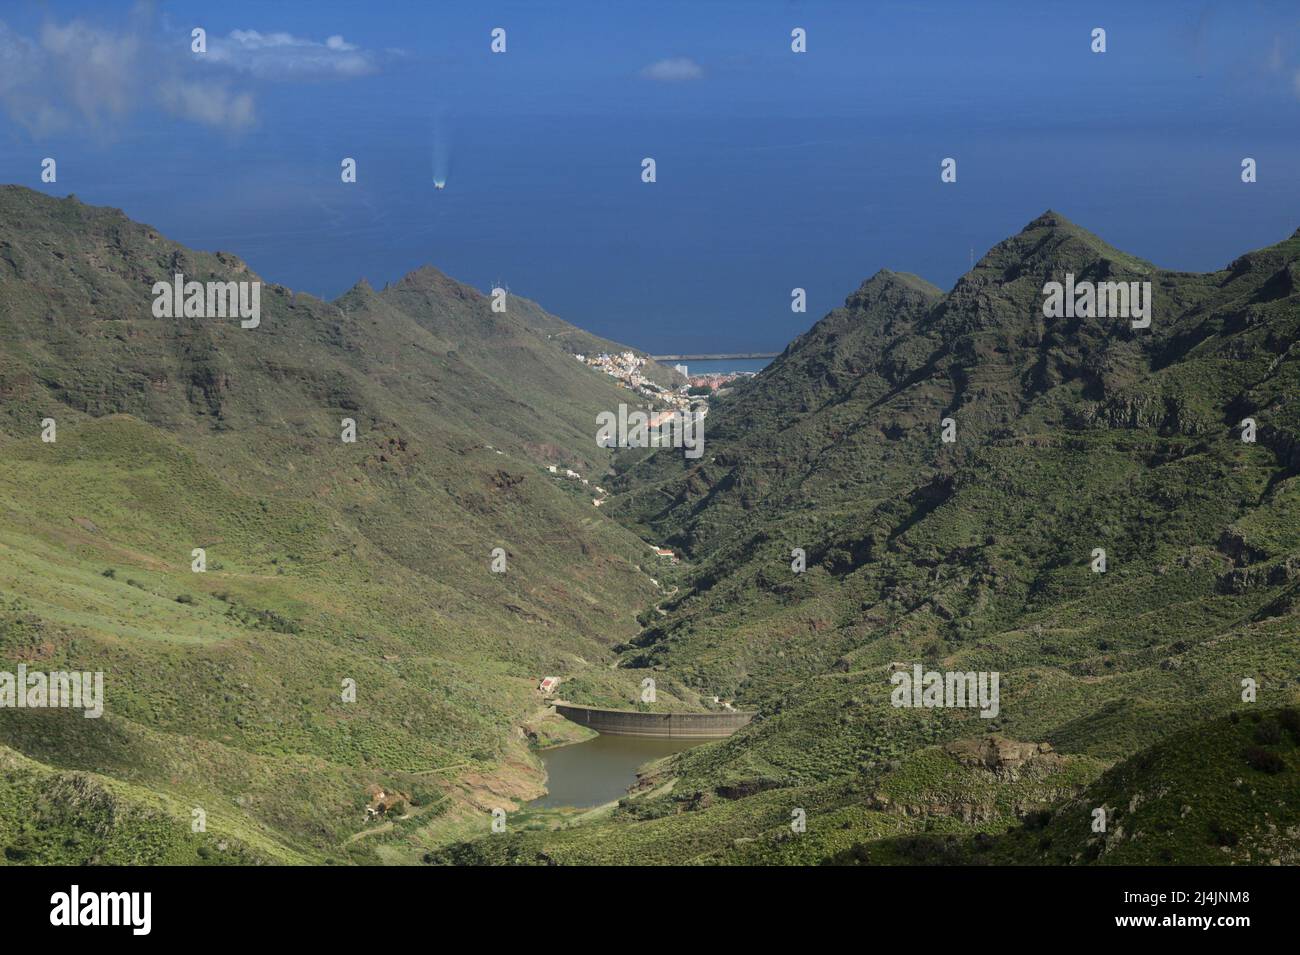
pixel 327 561
pixel 1226 792
pixel 1068 438
pixel 578 341
pixel 79 818
pixel 977 555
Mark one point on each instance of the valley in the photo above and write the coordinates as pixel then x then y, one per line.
pixel 350 680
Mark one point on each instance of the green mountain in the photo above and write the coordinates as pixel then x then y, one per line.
pixel 832 538
pixel 1072 435
pixel 326 561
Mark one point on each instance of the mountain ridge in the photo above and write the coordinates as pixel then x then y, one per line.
pixel 830 534
pixel 325 558
pixel 976 554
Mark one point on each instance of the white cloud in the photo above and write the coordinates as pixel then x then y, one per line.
pixel 207 103
pixel 675 69
pixel 69 74
pixel 76 74
pixel 96 68
pixel 19 58
pixel 285 56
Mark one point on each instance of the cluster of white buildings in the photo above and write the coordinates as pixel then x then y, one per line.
pixel 628 368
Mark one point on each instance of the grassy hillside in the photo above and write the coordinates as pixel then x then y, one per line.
pixel 326 561
pixel 976 555
pixel 1224 793
pixel 331 563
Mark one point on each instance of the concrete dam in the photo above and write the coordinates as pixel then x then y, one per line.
pixel 657 725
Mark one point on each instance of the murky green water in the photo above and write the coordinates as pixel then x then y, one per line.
pixel 600 770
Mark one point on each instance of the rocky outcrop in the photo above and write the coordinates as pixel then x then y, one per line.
pixel 1004 758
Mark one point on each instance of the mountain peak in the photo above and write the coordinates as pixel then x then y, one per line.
pixel 887 282
pixel 1052 223
pixel 423 276
pixel 431 280
pixel 1052 243
pixel 359 294
pixel 1050 219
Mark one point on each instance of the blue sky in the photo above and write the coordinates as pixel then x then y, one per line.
pixel 775 169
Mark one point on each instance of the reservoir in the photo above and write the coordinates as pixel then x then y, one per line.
pixel 601 769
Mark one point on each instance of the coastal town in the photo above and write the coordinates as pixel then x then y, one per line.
pixel 629 369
